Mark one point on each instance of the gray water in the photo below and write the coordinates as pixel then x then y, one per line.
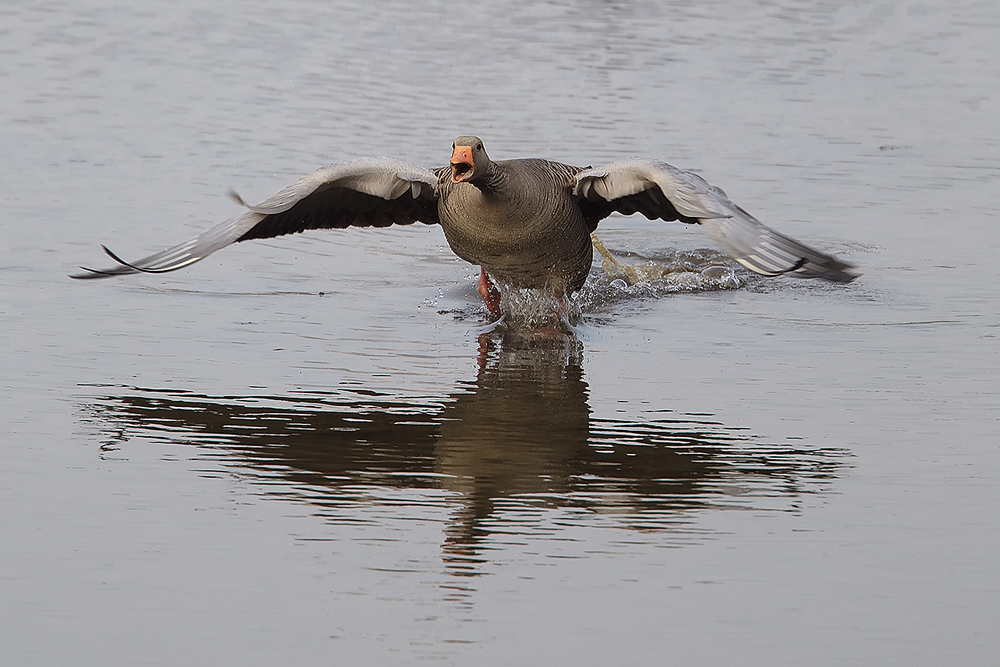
pixel 315 450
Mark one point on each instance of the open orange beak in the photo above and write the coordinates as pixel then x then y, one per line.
pixel 462 164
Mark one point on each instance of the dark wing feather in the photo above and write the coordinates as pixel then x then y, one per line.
pixel 341 207
pixel 375 192
pixel 659 190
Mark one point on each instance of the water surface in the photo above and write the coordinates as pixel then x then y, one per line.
pixel 317 449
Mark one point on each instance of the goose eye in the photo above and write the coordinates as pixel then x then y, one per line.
pixel 479 147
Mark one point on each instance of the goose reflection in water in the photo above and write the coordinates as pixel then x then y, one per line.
pixel 520 437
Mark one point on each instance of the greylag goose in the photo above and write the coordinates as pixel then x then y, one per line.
pixel 526 222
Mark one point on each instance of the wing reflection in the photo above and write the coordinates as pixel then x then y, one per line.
pixel 499 452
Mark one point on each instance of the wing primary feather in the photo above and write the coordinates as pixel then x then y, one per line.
pixel 367 192
pixel 235 196
pixel 121 261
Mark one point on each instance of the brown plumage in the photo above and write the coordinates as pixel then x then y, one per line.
pixel 526 222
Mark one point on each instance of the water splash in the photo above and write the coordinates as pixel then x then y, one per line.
pixel 680 272
pixel 671 272
pixel 539 309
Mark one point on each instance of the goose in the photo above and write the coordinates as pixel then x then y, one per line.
pixel 526 223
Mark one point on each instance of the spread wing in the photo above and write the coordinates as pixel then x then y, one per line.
pixel 659 190
pixel 374 192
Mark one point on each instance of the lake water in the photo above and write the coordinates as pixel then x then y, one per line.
pixel 314 449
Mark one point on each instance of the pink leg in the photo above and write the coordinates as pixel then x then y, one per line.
pixel 490 293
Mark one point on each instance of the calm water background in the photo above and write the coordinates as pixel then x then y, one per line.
pixel 304 451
